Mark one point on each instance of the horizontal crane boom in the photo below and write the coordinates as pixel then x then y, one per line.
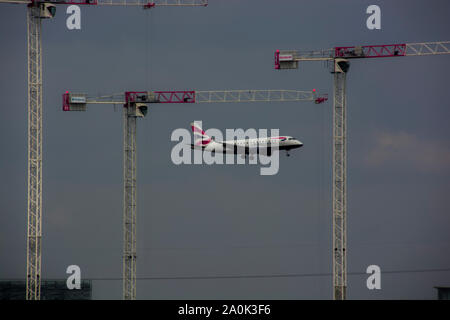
pixel 78 102
pixel 143 3
pixel 288 59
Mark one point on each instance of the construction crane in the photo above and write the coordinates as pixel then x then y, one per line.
pixel 37 11
pixel 339 64
pixel 136 106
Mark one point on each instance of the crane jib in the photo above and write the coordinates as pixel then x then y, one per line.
pixel 376 51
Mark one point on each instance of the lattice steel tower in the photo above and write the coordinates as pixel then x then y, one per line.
pixel 130 113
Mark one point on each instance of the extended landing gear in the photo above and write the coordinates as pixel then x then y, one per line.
pixel 287 153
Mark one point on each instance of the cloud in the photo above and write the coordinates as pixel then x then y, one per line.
pixel 407 150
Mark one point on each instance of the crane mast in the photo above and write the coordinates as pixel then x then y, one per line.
pixel 129 205
pixel 338 61
pixel 38 10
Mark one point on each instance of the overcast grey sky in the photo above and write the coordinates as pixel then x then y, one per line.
pixel 245 224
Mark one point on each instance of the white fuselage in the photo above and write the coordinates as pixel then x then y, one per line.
pixel 249 146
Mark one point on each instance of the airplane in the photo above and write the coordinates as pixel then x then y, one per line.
pixel 244 147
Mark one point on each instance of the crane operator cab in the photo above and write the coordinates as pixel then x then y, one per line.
pixel 47 10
